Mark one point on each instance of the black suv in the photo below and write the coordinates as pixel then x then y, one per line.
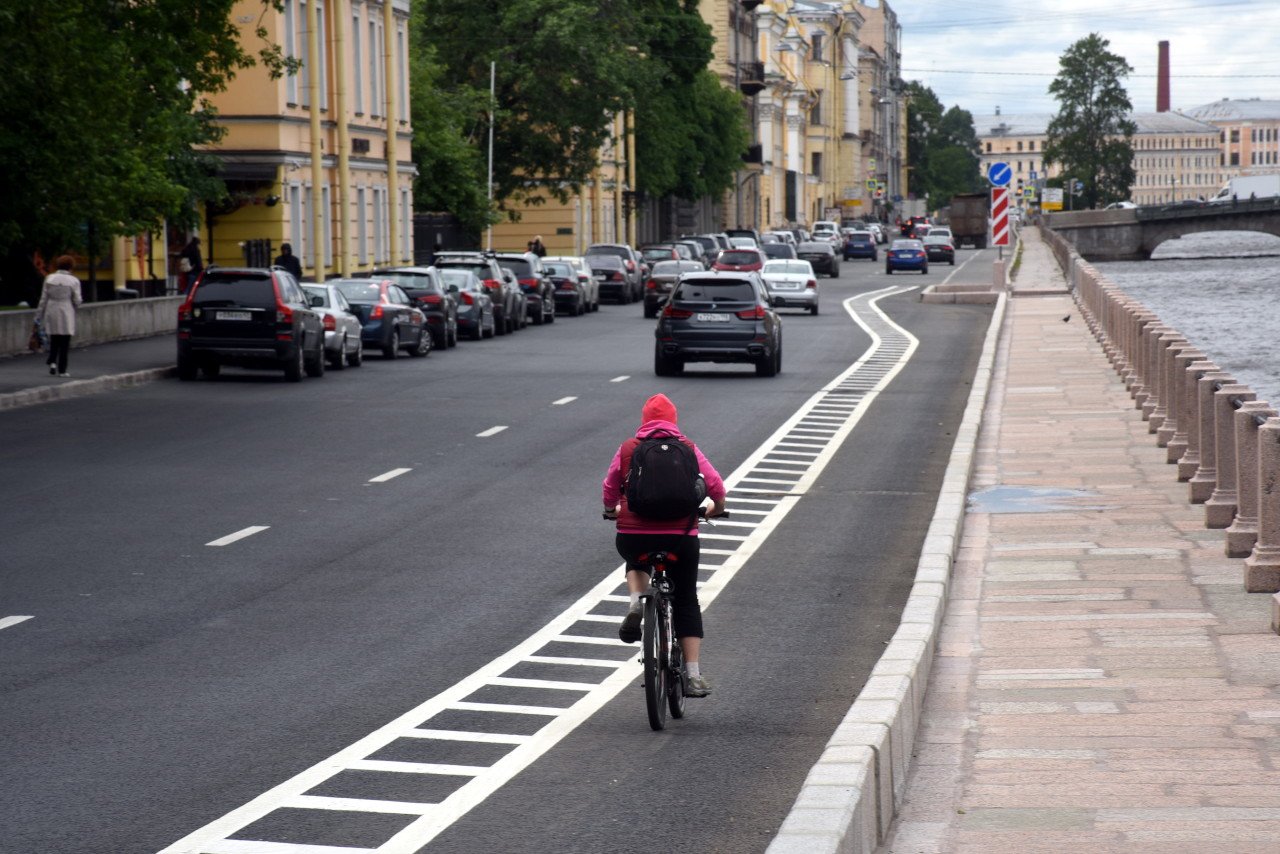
pixel 718 316
pixel 507 299
pixel 249 317
pixel 539 293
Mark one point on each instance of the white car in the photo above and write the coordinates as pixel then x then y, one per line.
pixel 878 231
pixel 743 243
pixel 791 284
pixel 784 237
pixel 940 231
pixel 343 343
pixel 590 288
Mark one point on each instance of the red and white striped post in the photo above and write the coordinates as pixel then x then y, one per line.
pixel 1000 217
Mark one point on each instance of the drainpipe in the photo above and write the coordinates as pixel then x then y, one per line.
pixel 341 20
pixel 317 151
pixel 632 224
pixel 393 86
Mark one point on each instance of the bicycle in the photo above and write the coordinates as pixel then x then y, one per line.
pixel 660 650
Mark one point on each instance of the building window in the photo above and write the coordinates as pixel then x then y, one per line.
pixel 817 164
pixel 988 148
pixel 322 36
pixel 375 102
pixel 295 217
pixel 357 61
pixel 403 73
pixel 1235 134
pixel 290 49
pixel 406 225
pixel 304 51
pixel 1235 158
pixel 1019 145
pixel 378 257
pixel 305 242
pixel 816 53
pixel 362 226
pixel 326 225
pixel 815 112
pixel 1031 146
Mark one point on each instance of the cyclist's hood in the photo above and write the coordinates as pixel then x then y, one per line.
pixel 658 408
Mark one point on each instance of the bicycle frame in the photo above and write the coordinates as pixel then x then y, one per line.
pixel 661 652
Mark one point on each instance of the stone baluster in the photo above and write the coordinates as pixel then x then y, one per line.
pixel 1169 425
pixel 1220 508
pixel 1262 567
pixel 1164 344
pixel 1243 532
pixel 1152 346
pixel 1176 444
pixel 1206 477
pixel 1190 460
pixel 1138 390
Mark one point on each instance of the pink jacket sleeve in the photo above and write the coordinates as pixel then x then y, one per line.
pixel 715 485
pixel 613 480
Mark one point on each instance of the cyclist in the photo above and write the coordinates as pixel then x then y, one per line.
pixel 637 536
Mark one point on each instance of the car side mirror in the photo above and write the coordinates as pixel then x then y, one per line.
pixel 316 302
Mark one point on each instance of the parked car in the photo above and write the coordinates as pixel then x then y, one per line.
pixel 861 244
pixel 389 320
pixel 475 305
pixel 710 245
pixel 652 253
pixel 742 232
pixel 426 288
pixel 249 317
pixel 696 252
pixel 882 235
pixel 569 292
pixel 743 243
pixel 663 280
pixel 539 293
pixel 906 255
pixel 779 250
pixel 611 276
pixel 791 284
pixel 631 263
pixel 740 260
pixel 821 255
pixel 938 247
pixel 586 278
pixel 519 312
pixel 718 317
pixel 343 341
pixel 507 303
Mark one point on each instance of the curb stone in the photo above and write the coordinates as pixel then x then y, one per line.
pixel 82 388
pixel 850 796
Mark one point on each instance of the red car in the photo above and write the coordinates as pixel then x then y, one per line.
pixel 740 261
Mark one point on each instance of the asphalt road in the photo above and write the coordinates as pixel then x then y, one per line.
pixel 163 682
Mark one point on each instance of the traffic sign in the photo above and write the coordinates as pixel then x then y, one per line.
pixel 1051 199
pixel 1033 174
pixel 871 183
pixel 999 174
pixel 999 216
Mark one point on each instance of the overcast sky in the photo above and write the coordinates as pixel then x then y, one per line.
pixel 1005 53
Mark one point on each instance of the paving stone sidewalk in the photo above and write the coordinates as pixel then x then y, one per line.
pixel 25 379
pixel 1102 681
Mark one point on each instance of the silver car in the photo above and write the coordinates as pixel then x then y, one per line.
pixel 342 340
pixel 662 281
pixel 586 279
pixel 791 284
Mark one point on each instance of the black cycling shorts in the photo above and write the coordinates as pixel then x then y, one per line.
pixel 683 572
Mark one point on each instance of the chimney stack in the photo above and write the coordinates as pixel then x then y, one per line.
pixel 1162 80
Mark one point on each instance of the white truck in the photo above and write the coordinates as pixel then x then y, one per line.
pixel 1245 187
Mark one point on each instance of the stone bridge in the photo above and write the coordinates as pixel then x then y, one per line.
pixel 1133 234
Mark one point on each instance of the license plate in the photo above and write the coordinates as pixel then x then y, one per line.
pixel 713 318
pixel 235 315
pixel 786 286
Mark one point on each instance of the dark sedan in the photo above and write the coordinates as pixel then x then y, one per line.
pixel 663 280
pixel 779 251
pixel 906 255
pixel 718 317
pixel 425 287
pixel 539 293
pixel 940 248
pixel 821 255
pixel 861 244
pixel 475 307
pixel 612 275
pixel 740 261
pixel 388 318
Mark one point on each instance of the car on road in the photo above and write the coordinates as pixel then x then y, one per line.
pixel 571 288
pixel 1120 206
pixel 507 301
pixel 249 317
pixel 696 251
pixel 711 245
pixel 745 260
pixel 906 255
pixel 861 244
pixel 519 317
pixel 343 342
pixel 939 231
pixel 743 243
pixel 389 319
pixel 718 317
pixel 791 284
pixel 611 277
pixel 652 253
pixel 539 293
pixel 425 287
pixel 821 255
pixel 475 305
pixel 879 231
pixel 779 250
pixel 938 247
pixel 632 264
pixel 662 282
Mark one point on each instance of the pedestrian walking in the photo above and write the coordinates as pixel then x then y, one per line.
pixel 56 313
pixel 289 261
pixel 536 246
pixel 190 263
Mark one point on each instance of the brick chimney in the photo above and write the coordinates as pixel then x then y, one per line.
pixel 1162 79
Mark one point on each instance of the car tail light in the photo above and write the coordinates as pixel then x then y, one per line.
pixel 284 314
pixel 566 285
pixel 330 325
pixel 184 310
pixel 652 285
pixel 467 298
pixel 677 313
pixel 375 312
pixel 756 313
pixel 431 299
pixel 492 284
pixel 631 265
pixel 615 276
pixel 812 283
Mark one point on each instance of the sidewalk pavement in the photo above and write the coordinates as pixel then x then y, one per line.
pixel 1102 682
pixel 25 379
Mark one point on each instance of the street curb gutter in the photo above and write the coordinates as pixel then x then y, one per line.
pixel 849 799
pixel 81 388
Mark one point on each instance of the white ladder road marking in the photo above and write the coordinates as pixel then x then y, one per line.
pixel 492 431
pixel 383 478
pixel 6 622
pixel 618 674
pixel 562 401
pixel 238 535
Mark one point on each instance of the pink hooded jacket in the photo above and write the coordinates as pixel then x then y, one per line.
pixel 659 413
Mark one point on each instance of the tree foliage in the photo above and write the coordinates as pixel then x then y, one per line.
pixel 1091 137
pixel 942 148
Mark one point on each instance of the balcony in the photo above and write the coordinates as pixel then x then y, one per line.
pixel 751 79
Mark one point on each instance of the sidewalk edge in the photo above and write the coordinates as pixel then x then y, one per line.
pixel 848 800
pixel 82 388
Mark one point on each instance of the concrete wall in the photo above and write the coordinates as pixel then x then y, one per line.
pixel 98 322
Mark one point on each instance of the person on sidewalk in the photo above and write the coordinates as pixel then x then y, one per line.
pixel 638 535
pixel 537 247
pixel 190 263
pixel 289 261
pixel 59 299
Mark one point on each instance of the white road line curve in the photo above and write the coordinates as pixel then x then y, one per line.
pixel 871 373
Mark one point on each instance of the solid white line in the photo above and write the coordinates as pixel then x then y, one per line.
pixel 6 622
pixel 257 846
pixel 601 618
pixel 383 478
pixel 620 379
pixel 578 662
pixel 318 802
pixel 460 735
pixel 492 431
pixel 588 639
pixel 541 683
pixel 238 535
pixel 417 768
pixel 562 401
pixel 508 708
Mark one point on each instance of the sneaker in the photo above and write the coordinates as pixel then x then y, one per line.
pixel 629 631
pixel 53 371
pixel 696 686
pixel 64 374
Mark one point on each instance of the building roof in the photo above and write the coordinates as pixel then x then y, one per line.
pixel 1037 124
pixel 1170 123
pixel 1227 110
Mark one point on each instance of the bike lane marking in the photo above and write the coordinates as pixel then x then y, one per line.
pixel 238 535
pixel 492 431
pixel 7 622
pixel 562 401
pixel 855 389
pixel 383 478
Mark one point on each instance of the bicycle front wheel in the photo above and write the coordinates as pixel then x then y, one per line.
pixel 655 671
pixel 674 664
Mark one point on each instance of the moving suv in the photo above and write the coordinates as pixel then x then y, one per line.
pixel 249 317
pixel 718 317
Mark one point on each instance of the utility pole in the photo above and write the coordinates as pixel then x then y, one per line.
pixel 493 76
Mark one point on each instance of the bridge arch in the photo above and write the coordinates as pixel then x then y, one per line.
pixel 1157 233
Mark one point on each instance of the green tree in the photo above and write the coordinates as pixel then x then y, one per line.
pixel 1091 137
pixel 942 148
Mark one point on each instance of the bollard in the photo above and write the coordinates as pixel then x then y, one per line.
pixel 1173 391
pixel 1205 479
pixel 1243 532
pixel 1129 314
pixel 1190 460
pixel 1152 346
pixel 1262 567
pixel 1177 441
pixel 1164 344
pixel 1220 508
pixel 1139 390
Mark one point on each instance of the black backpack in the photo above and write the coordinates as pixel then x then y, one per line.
pixel 663 481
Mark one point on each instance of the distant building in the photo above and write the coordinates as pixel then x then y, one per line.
pixel 1249 134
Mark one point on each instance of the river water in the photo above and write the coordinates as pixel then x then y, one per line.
pixel 1222 292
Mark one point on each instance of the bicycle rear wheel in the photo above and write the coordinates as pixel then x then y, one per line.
pixel 655 671
pixel 674 663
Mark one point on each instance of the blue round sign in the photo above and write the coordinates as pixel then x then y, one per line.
pixel 999 174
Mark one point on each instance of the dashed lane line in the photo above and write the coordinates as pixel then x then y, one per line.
pixel 562 401
pixel 568 640
pixel 492 431
pixel 238 535
pixel 620 379
pixel 6 622
pixel 383 478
